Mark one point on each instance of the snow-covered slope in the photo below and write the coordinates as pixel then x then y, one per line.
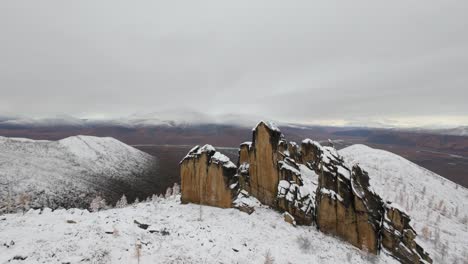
pixel 175 235
pixel 71 171
pixel 437 206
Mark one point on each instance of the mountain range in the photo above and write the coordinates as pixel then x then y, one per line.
pixel 72 171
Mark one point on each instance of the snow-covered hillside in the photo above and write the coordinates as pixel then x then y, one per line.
pixel 71 171
pixel 175 235
pixel 437 206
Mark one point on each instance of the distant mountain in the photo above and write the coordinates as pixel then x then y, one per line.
pixel 458 131
pixel 58 121
pixel 72 171
pixel 179 118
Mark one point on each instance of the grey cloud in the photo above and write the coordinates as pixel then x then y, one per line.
pixel 298 60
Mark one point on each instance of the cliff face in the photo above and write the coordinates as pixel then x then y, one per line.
pixel 261 156
pixel 311 183
pixel 398 237
pixel 345 206
pixel 208 177
pixel 269 174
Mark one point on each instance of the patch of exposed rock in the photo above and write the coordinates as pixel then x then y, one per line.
pixel 310 183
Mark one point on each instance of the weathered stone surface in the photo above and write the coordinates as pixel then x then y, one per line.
pixel 208 177
pixel 292 196
pixel 264 163
pixel 262 158
pixel 340 210
pixel 346 207
pixel 398 237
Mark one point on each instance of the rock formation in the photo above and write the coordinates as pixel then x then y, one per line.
pixel 344 204
pixel 310 183
pixel 261 157
pixel 398 237
pixel 208 177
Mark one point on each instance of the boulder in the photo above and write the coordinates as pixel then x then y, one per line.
pixel 288 218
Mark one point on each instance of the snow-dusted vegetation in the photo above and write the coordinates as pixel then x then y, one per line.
pixel 69 172
pixel 165 231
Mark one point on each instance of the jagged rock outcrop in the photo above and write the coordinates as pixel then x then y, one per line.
pixel 262 156
pixel 268 173
pixel 398 237
pixel 208 177
pixel 310 183
pixel 344 205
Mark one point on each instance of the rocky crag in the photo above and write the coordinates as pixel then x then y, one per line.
pixel 310 183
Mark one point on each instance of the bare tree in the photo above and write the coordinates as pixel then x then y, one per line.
pixel 437 236
pixel 24 200
pixel 269 258
pixel 6 184
pixel 138 250
pixel 444 250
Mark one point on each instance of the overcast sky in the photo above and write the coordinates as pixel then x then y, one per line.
pixel 289 60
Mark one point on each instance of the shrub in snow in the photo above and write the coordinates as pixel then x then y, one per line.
pixel 168 192
pixel 23 201
pixel 426 232
pixel 154 198
pixel 97 204
pixel 176 189
pixel 115 232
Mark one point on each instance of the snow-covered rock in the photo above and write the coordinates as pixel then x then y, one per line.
pixel 70 172
pixel 343 204
pixel 438 207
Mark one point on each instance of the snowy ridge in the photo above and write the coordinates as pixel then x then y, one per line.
pixel 175 235
pixel 438 207
pixel 67 172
